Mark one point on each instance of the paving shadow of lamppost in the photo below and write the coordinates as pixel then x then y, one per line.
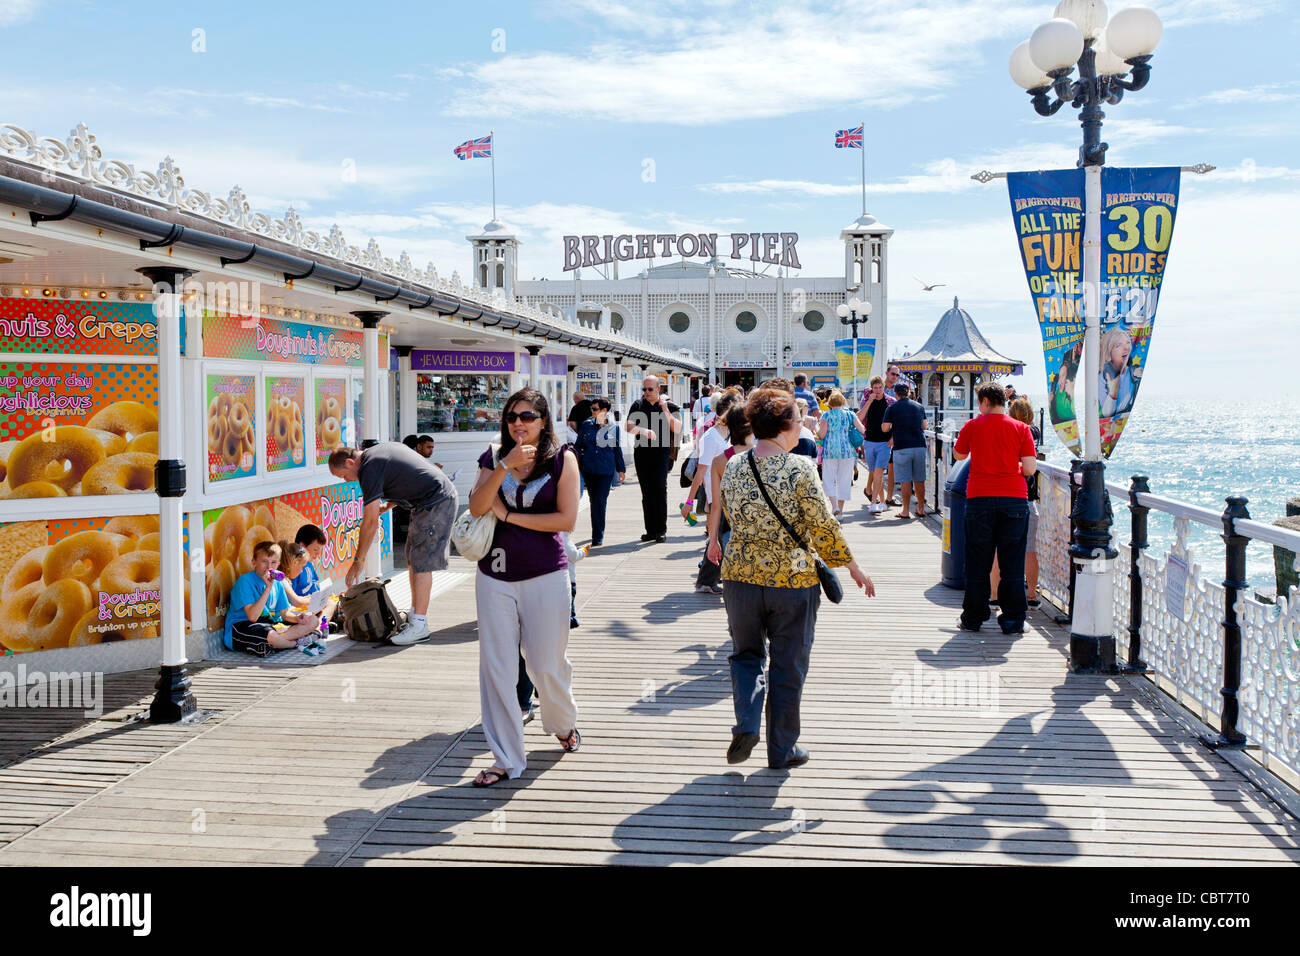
pixel 1016 757
pixel 701 690
pixel 716 815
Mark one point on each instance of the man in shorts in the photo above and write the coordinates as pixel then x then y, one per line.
pixel 390 472
pixel 904 422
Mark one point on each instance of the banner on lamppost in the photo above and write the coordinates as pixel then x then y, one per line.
pixel 1047 208
pixel 1138 207
pixel 1137 225
pixel 845 361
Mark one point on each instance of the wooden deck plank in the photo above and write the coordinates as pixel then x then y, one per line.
pixel 367 759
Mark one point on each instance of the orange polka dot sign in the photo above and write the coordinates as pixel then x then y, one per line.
pixel 69 429
pixel 74 582
pixel 77 328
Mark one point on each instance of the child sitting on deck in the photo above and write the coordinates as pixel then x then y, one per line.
pixel 260 618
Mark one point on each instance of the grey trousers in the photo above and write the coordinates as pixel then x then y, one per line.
pixel 775 623
pixel 529 617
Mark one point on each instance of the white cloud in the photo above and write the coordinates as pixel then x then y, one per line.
pixel 1181 13
pixel 1249 95
pixel 747 62
pixel 17 11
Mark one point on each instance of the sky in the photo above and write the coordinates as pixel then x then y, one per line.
pixel 708 116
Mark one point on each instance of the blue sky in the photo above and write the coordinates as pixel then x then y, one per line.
pixel 349 113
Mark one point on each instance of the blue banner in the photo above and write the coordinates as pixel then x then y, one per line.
pixel 1137 226
pixel 1048 211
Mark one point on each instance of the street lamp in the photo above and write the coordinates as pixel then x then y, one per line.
pixel 1112 58
pixel 849 313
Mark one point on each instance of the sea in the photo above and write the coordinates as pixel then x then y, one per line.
pixel 1200 449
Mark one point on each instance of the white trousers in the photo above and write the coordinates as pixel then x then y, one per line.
pixel 837 476
pixel 531 617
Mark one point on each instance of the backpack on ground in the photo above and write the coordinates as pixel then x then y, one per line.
pixel 369 614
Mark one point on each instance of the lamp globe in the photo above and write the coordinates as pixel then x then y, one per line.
pixel 1026 75
pixel 1134 32
pixel 1088 15
pixel 1056 45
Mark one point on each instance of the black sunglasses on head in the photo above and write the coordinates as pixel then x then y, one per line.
pixel 526 417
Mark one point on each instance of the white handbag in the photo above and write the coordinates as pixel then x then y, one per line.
pixel 472 535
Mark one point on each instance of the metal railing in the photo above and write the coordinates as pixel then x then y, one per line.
pixel 1230 658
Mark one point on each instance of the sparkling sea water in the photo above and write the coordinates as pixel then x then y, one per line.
pixel 1199 450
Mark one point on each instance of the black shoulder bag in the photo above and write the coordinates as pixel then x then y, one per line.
pixel 830 582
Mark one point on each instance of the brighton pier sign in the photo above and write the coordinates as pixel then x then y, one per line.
pixel 776 248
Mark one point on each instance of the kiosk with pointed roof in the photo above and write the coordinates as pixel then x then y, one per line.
pixel 954 361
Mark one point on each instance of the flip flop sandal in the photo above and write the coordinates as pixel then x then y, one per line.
pixel 572 742
pixel 499 775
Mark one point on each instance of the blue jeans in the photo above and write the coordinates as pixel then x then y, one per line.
pixel 996 526
pixel 598 492
pixel 775 622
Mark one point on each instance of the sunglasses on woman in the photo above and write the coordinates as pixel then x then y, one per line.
pixel 526 417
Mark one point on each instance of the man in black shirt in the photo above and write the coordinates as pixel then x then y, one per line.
pixel 653 423
pixel 581 410
pixel 391 474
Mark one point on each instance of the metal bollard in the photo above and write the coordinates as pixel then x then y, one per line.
pixel 1234 582
pixel 1137 544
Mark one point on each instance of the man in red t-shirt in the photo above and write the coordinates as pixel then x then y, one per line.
pixel 1002 456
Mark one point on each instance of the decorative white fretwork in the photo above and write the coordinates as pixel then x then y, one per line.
pixel 1186 649
pixel 80 157
pixel 1270 677
pixel 1054 538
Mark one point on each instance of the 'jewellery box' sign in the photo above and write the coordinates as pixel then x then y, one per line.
pixel 447 360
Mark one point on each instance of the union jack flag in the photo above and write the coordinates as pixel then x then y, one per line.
pixel 475 148
pixel 848 138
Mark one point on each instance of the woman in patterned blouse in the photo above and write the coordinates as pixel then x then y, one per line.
pixel 771 583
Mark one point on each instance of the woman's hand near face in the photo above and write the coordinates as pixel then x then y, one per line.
pixel 521 458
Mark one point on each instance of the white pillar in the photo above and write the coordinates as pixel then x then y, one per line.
pixel 408 417
pixel 370 407
pixel 174 700
pixel 534 367
pixel 780 323
pixel 604 381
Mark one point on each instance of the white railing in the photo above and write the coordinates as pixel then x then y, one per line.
pixel 1182 622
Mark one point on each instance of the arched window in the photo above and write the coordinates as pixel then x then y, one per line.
pixel 616 321
pixel 746 322
pixel 679 322
pixel 813 320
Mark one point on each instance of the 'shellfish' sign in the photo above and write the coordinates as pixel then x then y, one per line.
pixel 1137 226
pixel 582 251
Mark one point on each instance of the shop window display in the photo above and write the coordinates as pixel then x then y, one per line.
pixel 459 402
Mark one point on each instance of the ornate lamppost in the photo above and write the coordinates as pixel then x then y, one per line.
pixel 855 312
pixel 1112 59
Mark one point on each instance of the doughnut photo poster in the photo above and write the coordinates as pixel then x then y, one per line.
pixel 230 534
pixel 331 405
pixel 73 582
pixel 232 407
pixel 285 442
pixel 69 429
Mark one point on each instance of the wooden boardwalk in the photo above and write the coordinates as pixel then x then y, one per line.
pixel 930 745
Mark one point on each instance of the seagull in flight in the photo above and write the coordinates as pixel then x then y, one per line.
pixel 929 288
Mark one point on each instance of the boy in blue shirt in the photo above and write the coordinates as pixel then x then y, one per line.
pixel 258 602
pixel 313 539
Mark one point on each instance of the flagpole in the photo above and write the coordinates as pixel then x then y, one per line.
pixel 493 140
pixel 864 173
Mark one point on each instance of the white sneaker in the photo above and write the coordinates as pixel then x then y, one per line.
pixel 411 634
